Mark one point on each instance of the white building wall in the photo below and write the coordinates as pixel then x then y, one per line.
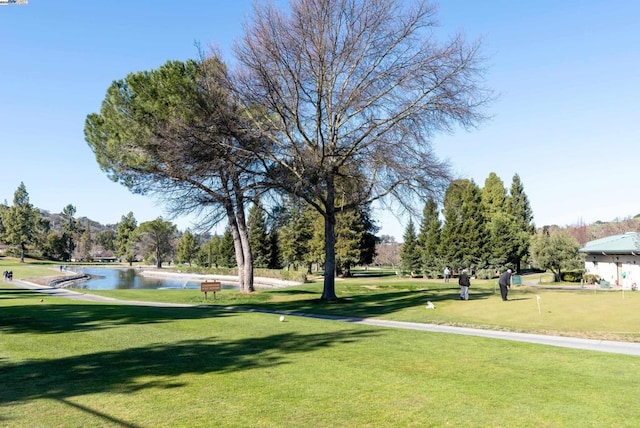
pixel 622 270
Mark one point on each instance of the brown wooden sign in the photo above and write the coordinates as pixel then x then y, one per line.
pixel 210 286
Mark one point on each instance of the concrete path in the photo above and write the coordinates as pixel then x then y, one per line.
pixel 629 348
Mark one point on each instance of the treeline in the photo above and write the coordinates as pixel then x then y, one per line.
pixel 483 229
pixel 290 237
pixel 490 229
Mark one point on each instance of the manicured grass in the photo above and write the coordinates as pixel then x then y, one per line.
pixel 609 315
pixel 68 363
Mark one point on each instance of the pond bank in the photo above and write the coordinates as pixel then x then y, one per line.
pixel 258 282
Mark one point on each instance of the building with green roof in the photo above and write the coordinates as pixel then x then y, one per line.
pixel 615 259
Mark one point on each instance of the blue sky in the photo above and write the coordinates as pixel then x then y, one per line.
pixel 566 118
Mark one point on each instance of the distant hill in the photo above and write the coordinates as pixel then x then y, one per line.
pixel 600 229
pixel 55 220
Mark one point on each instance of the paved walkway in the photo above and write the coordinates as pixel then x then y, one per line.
pixel 629 348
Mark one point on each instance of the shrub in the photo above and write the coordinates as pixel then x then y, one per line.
pixel 572 276
pixel 293 275
pixel 591 278
pixel 485 273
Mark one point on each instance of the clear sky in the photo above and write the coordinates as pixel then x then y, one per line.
pixel 566 118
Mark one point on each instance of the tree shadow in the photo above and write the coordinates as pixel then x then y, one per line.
pixel 52 319
pixel 18 293
pixel 367 305
pixel 119 371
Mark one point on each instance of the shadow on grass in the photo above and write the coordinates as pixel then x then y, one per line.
pixel 17 293
pixel 119 371
pixel 122 371
pixel 44 318
pixel 367 305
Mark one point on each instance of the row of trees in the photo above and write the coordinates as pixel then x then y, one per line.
pixel 485 230
pixel 293 237
pixel 332 105
pixel 289 238
pixel 24 228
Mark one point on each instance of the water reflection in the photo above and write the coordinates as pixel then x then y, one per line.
pixel 127 278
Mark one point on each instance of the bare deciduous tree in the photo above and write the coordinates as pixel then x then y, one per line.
pixel 355 90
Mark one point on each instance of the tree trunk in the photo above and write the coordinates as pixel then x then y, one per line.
pixel 243 232
pixel 239 253
pixel 329 290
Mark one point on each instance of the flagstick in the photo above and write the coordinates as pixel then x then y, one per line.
pixel 538 300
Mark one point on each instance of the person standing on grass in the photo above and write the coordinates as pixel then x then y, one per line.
pixel 446 274
pixel 464 283
pixel 505 284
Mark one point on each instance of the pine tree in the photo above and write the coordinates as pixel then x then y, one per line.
pixel 450 237
pixel 474 239
pixel 126 238
pixel 20 222
pixel 258 237
pixel 69 231
pixel 295 234
pixel 494 195
pixel 464 234
pixel 275 260
pixel 520 210
pixel 500 223
pixel 209 253
pixel 226 250
pixel 429 239
pixel 410 252
pixel 187 248
pixel 349 236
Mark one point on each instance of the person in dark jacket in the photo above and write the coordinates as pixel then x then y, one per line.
pixel 505 283
pixel 464 283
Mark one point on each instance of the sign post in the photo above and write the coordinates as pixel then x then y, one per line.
pixel 207 286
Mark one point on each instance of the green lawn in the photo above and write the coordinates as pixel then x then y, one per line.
pixel 66 363
pixel 609 315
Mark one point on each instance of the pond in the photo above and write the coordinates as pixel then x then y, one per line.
pixel 126 278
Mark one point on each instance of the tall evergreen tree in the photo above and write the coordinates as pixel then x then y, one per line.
pixel 295 235
pixel 126 238
pixel 187 247
pixel 209 253
pixel 464 235
pixel 494 196
pixel 410 252
pixel 520 210
pixel 20 221
pixel 369 240
pixel 474 235
pixel 69 231
pixel 258 236
pixel 226 250
pixel 450 238
pixel 429 239
pixel 349 236
pixel 500 223
pixel 275 260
